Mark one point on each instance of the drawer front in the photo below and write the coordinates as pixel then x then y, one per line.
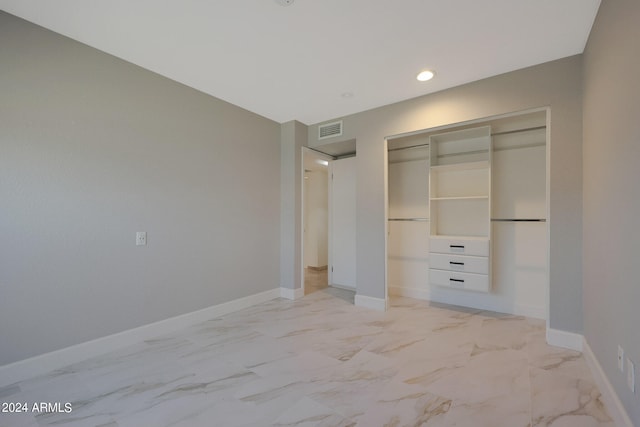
pixel 454 279
pixel 466 264
pixel 459 246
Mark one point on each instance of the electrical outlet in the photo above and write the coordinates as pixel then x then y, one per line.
pixel 631 376
pixel 620 359
pixel 141 238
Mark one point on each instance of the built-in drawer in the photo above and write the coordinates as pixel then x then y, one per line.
pixel 466 264
pixel 454 279
pixel 448 245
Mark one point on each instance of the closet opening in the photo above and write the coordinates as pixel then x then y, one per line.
pixel 467 208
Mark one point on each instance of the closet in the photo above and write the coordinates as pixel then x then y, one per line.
pixel 408 216
pixel 467 215
pixel 460 209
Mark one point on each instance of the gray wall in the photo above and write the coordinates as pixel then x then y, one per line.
pixel 93 149
pixel 292 139
pixel 557 84
pixel 612 193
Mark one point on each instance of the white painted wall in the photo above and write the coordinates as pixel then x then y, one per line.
pixel 291 175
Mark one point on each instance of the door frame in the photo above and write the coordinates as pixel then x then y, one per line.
pixel 303 153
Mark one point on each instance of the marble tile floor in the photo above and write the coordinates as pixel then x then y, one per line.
pixel 321 361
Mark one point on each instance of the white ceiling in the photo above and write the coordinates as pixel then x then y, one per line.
pixel 295 62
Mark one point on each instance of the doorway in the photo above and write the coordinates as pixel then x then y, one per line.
pixel 315 221
pixel 328 220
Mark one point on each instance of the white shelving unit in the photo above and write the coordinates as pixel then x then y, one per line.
pixel 504 262
pixel 460 209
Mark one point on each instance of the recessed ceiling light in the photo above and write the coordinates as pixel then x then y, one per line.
pixel 322 162
pixel 284 2
pixel 347 95
pixel 425 75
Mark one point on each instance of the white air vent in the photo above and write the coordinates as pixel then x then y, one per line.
pixel 329 130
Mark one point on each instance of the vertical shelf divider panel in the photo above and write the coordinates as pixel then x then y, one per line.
pixel 460 209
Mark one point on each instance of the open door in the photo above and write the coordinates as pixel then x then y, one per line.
pixel 342 227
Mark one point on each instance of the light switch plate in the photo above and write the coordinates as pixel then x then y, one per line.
pixel 620 359
pixel 141 238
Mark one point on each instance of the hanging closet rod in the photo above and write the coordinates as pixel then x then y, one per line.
pixel 394 162
pixel 408 148
pixel 508 132
pixel 515 147
pixel 465 153
pixel 518 220
pixel 492 219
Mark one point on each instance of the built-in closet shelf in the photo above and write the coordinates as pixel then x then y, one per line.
pixel 409 219
pixel 466 214
pixel 461 198
pixel 518 220
pixel 460 209
pixel 459 237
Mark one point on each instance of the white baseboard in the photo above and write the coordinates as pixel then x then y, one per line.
pixel 34 366
pixel 609 395
pixel 292 294
pixel 379 304
pixel 569 340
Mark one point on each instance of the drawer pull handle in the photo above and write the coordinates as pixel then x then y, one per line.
pixel 456 263
pixel 457 246
pixel 456 280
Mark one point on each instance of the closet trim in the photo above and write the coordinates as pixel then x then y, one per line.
pixel 516 147
pixel 409 219
pixel 408 148
pixel 519 219
pixel 508 132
